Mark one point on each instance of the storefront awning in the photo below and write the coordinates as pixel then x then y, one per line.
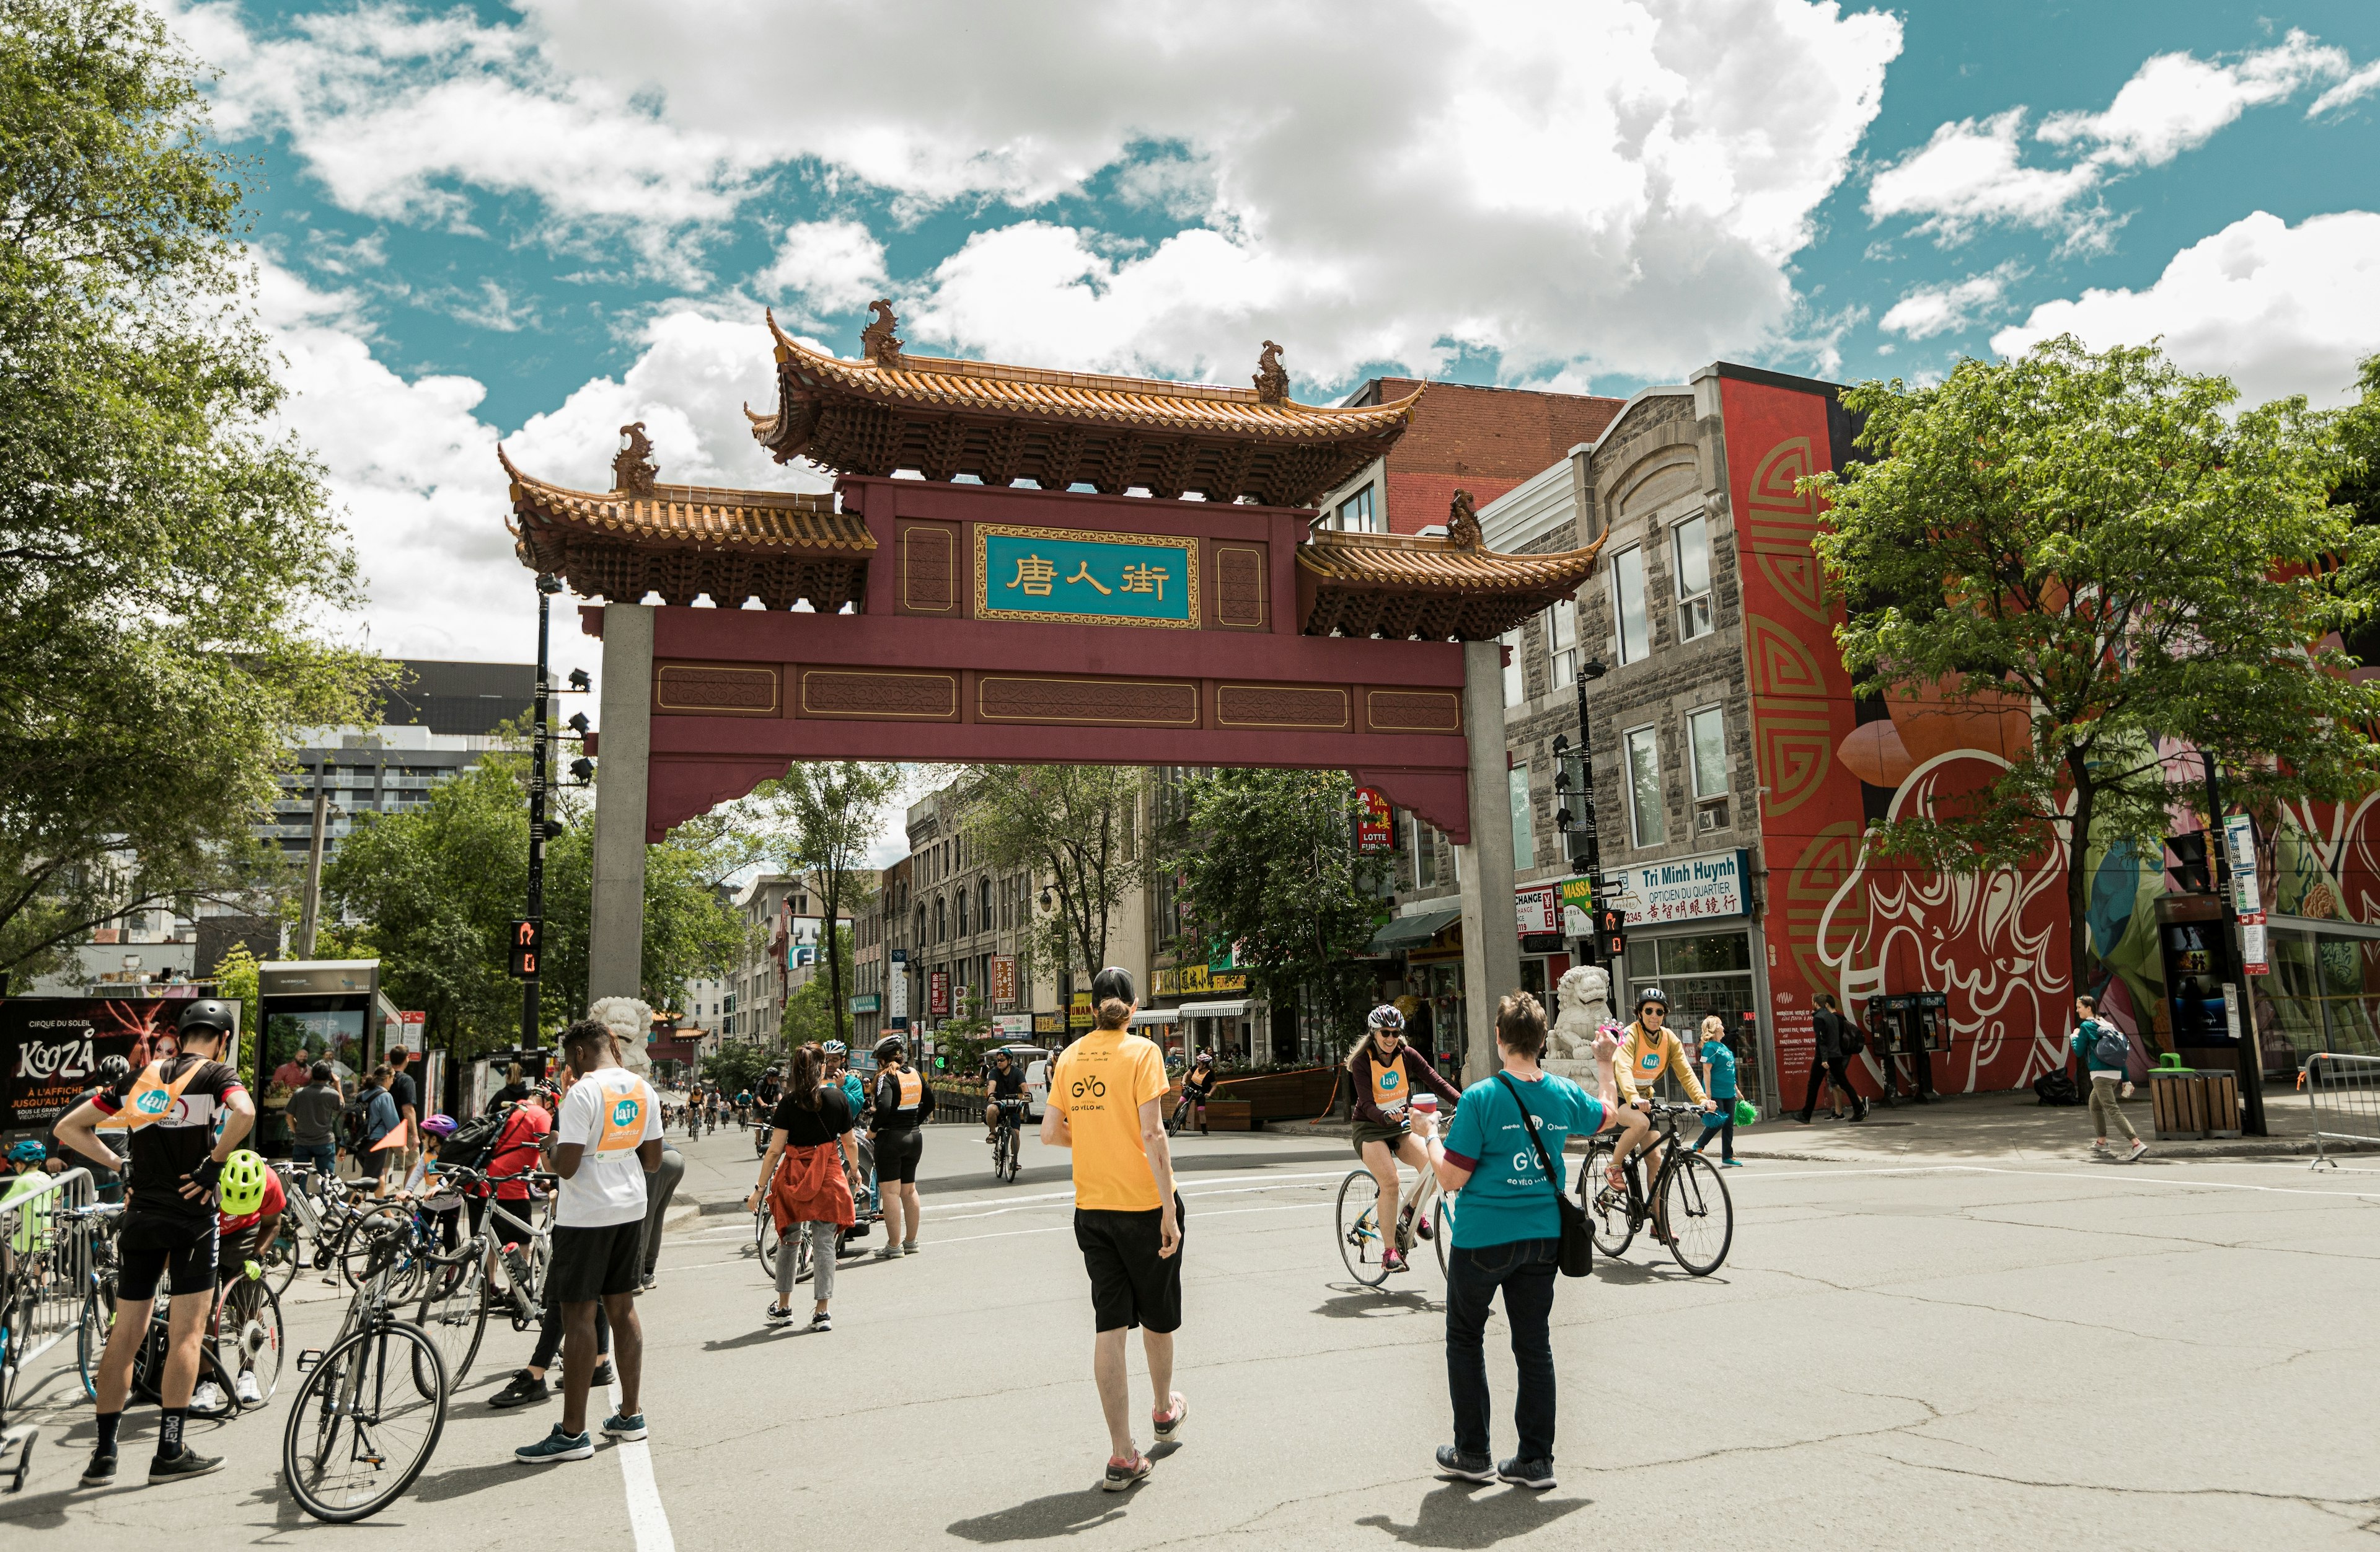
pixel 1238 1007
pixel 1157 1015
pixel 1409 932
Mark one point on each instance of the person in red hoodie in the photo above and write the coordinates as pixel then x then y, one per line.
pixel 1386 1073
pixel 807 1178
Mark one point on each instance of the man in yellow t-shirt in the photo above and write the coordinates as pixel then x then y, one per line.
pixel 1107 1102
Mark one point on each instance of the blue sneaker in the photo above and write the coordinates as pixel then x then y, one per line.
pixel 556 1446
pixel 620 1427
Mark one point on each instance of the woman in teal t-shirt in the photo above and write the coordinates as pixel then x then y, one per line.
pixel 1718 1082
pixel 1508 1234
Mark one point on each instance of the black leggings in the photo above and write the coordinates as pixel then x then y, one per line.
pixel 1819 1068
pixel 548 1335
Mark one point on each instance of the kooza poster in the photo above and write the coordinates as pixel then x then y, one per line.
pixel 50 1048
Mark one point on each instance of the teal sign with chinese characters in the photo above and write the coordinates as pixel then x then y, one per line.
pixel 1101 580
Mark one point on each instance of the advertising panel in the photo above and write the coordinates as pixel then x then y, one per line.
pixel 1003 981
pixel 1577 907
pixel 1537 909
pixel 50 1048
pixel 1376 824
pixel 938 994
pixel 896 992
pixel 1687 889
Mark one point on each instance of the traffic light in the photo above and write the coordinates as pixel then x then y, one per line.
pixel 2190 871
pixel 1610 934
pixel 527 948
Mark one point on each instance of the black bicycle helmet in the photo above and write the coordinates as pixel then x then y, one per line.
pixel 208 1013
pixel 113 1070
pixel 1115 982
pixel 890 1048
pixel 1651 995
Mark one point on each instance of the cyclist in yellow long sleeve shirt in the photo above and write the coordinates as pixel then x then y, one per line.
pixel 1646 1050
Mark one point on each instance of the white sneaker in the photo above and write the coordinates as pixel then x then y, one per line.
pixel 246 1390
pixel 208 1400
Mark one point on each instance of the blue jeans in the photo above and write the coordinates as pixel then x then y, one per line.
pixel 1525 1270
pixel 322 1156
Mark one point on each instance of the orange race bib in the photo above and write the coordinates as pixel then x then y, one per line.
pixel 152 1099
pixel 624 1112
pixel 1390 1090
pixel 912 1089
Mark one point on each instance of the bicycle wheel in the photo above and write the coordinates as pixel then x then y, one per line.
pixel 1699 1215
pixel 1360 1240
pixel 453 1314
pixel 1607 1209
pixel 356 1242
pixel 1442 1219
pixel 281 1257
pixel 765 1237
pixel 1015 1153
pixel 804 1262
pixel 360 1431
pixel 248 1334
pixel 90 1336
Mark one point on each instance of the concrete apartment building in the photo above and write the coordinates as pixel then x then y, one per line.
pixel 784 935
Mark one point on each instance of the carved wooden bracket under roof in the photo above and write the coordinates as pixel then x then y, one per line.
pixel 683 541
pixel 999 424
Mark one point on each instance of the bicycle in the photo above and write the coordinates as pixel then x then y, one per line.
pixel 1688 1203
pixel 99 1223
pixel 1182 1110
pixel 1008 1140
pixel 1361 1243
pixel 373 1406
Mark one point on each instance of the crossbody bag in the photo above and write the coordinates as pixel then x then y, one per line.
pixel 1576 1257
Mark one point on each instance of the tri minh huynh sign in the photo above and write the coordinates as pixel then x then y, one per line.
pixel 1057 573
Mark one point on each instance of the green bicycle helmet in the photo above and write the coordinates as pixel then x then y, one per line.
pixel 241 1187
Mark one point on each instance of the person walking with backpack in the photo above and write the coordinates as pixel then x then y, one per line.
pixel 1504 1154
pixel 1827 1059
pixel 2106 1055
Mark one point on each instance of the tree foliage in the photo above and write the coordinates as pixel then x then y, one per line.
pixel 1268 865
pixel 2085 544
pixel 733 1068
pixel 818 822
pixel 1072 826
pixel 162 553
pixel 810 1012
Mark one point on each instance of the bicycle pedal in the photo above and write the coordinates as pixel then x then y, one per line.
pixel 308 1358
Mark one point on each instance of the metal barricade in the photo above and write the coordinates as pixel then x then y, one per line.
pixel 2344 1093
pixel 47 1259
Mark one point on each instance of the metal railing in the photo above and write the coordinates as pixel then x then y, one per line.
pixel 2344 1093
pixel 46 1262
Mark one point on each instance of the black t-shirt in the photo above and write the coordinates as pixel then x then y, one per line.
pixel 1006 1086
pixel 511 1094
pixel 890 1114
pixel 1199 1080
pixel 810 1127
pixel 181 1133
pixel 401 1089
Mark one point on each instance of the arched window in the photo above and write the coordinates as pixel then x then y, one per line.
pixel 983 904
pixel 958 912
pixel 941 922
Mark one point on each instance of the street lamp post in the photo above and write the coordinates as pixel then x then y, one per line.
pixel 547 586
pixel 1576 817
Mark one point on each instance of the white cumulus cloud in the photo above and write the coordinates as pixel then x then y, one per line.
pixel 829 266
pixel 1937 310
pixel 2282 309
pixel 2176 102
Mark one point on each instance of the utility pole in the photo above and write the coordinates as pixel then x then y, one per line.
pixel 1576 817
pixel 2251 1045
pixel 310 911
pixel 547 586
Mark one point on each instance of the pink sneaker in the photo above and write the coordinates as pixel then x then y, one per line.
pixel 1169 1424
pixel 1126 1472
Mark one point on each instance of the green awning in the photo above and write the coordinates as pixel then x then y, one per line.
pixel 1410 932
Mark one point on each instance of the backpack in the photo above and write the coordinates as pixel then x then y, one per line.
pixel 474 1142
pixel 2111 1050
pixel 355 1120
pixel 1853 1042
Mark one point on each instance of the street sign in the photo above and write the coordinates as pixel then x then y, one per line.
pixel 527 948
pixel 2255 957
pixel 1376 829
pixel 2240 836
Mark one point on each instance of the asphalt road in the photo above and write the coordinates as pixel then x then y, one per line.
pixel 1972 1355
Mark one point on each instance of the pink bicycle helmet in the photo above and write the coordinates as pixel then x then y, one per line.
pixel 439 1125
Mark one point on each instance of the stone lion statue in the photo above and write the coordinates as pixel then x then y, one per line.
pixel 1585 997
pixel 631 1019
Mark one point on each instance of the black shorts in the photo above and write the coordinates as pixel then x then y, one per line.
pixel 898 1154
pixel 373 1162
pixel 149 1249
pixel 233 1252
pixel 598 1263
pixel 1131 1285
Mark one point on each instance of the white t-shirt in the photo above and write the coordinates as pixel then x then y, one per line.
pixel 608 1112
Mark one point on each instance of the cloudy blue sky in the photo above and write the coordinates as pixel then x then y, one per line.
pixel 537 222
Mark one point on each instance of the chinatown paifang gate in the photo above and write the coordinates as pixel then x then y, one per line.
pixel 1018 604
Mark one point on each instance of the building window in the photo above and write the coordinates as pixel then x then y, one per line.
pixel 958 913
pixel 1706 753
pixel 1561 644
pixel 1628 588
pixel 983 904
pixel 1516 688
pixel 1525 833
pixel 1355 513
pixel 1646 817
pixel 1424 851
pixel 1690 541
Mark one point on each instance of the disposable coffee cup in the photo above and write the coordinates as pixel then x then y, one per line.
pixel 1426 1103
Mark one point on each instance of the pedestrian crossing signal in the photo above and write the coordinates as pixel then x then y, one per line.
pixel 1612 933
pixel 527 948
pixel 2190 870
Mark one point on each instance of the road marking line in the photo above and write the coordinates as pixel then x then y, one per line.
pixel 647 1518
pixel 2048 1174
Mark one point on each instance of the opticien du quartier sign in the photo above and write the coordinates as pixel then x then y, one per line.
pixel 1068 575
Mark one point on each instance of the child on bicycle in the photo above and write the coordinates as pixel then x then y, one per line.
pixel 1384 1071
pixel 1196 1084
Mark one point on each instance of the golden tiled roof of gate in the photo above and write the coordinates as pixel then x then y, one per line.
pixel 687 541
pixel 1358 583
pixel 944 418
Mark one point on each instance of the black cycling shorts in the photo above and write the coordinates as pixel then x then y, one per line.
pixel 148 1250
pixel 1131 1284
pixel 898 1154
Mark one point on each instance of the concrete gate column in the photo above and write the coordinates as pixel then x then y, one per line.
pixel 615 933
pixel 1491 942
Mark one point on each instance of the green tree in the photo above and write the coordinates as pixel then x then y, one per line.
pixel 819 821
pixel 691 930
pixel 1074 827
pixel 1269 864
pixel 164 553
pixel 737 1067
pixel 2091 547
pixel 2359 435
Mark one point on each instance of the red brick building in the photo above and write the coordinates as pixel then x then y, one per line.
pixel 1485 441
